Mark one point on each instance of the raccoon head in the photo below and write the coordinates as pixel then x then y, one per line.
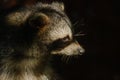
pixel 48 25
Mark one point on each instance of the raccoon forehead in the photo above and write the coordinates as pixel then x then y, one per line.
pixel 59 33
pixel 54 5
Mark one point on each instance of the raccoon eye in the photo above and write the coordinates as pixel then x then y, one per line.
pixel 60 43
pixel 65 39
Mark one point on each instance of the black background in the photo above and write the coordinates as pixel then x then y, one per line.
pixel 99 21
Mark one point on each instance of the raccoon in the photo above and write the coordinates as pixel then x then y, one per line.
pixel 29 36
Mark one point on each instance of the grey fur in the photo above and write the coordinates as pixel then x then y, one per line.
pixel 25 49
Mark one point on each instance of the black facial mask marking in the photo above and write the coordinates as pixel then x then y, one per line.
pixel 60 43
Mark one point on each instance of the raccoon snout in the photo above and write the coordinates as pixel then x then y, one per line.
pixel 38 20
pixel 74 48
pixel 80 49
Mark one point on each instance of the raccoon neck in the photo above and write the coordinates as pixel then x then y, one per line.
pixel 25 68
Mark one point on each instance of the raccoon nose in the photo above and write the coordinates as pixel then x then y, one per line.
pixel 38 20
pixel 80 49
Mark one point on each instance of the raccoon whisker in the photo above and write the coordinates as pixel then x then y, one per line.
pixel 75 23
pixel 63 57
pixel 79 23
pixel 79 34
pixel 67 59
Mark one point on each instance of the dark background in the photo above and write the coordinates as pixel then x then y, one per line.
pixel 99 21
pixel 101 26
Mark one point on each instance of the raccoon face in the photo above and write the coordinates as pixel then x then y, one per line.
pixel 50 27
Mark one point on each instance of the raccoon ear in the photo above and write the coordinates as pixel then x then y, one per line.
pixel 38 20
pixel 62 6
pixel 59 5
pixel 16 18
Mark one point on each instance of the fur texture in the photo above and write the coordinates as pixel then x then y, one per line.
pixel 28 38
